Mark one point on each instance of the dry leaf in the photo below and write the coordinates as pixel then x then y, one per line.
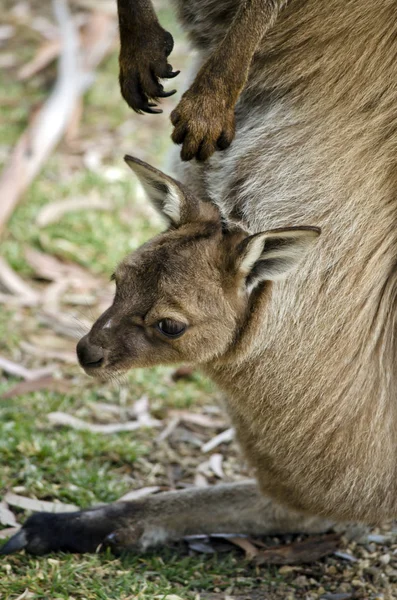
pixel 6 516
pixel 50 268
pixel 171 426
pixel 106 413
pixel 51 213
pixel 6 533
pixel 223 438
pixel 198 419
pixel 72 130
pixel 36 385
pixel 200 480
pixel 75 70
pixel 65 324
pixel 141 412
pixel 307 551
pixel 169 597
pixel 215 463
pixel 39 352
pixel 13 284
pixel 250 550
pixel 53 294
pixel 8 366
pixel 61 418
pixel 15 301
pixel 27 595
pixel 141 493
pixel 45 54
pixel 37 505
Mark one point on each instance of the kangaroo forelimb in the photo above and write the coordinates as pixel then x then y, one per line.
pixel 144 49
pixel 204 119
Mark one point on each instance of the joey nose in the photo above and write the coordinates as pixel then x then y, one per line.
pixel 89 355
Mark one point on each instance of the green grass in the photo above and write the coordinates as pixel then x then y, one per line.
pixel 159 575
pixel 82 468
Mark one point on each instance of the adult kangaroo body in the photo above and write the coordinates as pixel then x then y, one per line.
pixel 316 140
pixel 309 365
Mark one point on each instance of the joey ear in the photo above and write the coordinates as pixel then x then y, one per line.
pixel 167 195
pixel 271 255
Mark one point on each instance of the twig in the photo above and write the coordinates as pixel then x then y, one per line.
pixel 20 371
pixel 74 77
pixel 224 437
pixel 13 284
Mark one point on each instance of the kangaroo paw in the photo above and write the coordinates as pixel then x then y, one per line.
pixel 143 62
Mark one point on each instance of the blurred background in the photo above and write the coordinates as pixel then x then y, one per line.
pixel 70 209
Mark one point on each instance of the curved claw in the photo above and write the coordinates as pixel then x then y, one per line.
pixel 17 542
pixel 171 74
pixel 151 111
pixel 163 94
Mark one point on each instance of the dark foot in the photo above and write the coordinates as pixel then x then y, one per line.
pixel 82 531
pixel 143 62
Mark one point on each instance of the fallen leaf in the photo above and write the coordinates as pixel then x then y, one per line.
pixel 27 595
pixel 6 32
pixel 141 410
pixel 169 597
pixel 200 480
pixel 39 352
pixel 308 551
pixel 37 505
pixel 17 301
pixel 61 418
pixel 15 285
pixel 141 493
pixel 65 324
pixel 171 426
pixel 8 366
pixel 198 419
pixel 250 550
pixel 215 463
pixel 204 547
pixel 341 596
pixel 51 268
pixel 346 556
pixel 7 517
pixel 51 213
pixel 223 438
pixel 45 54
pixel 106 413
pixel 35 385
pixel 53 295
pixel 75 68
pixel 6 533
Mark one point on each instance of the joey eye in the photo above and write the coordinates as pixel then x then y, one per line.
pixel 171 329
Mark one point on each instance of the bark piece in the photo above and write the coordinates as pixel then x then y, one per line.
pixel 37 505
pixel 308 551
pixel 36 385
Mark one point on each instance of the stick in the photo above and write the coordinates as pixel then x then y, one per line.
pixel 42 135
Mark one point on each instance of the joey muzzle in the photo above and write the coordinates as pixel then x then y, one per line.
pixel 90 356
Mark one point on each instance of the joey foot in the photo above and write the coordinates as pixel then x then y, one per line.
pixel 143 61
pixel 204 119
pixel 82 531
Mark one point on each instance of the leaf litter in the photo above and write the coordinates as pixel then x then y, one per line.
pixel 179 459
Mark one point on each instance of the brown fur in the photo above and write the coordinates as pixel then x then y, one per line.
pixel 204 119
pixel 309 363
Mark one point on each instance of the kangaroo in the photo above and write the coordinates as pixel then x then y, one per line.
pixel 308 360
pixel 230 30
pixel 195 293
